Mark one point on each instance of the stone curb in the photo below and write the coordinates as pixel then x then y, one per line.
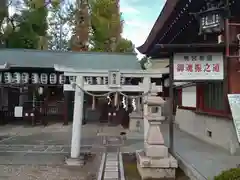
pixel 121 168
pixel 189 169
pixel 101 168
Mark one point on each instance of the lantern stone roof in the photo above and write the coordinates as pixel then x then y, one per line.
pixel 83 60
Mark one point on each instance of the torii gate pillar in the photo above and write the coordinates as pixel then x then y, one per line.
pixel 77 123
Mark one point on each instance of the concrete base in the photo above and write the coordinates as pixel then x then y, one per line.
pixel 75 161
pixel 154 162
pixel 156 173
pixel 158 151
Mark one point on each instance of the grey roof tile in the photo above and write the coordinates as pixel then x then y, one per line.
pixel 81 60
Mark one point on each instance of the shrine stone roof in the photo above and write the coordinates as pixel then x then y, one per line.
pixel 81 60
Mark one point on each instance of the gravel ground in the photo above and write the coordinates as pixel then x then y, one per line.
pixel 24 166
pixel 38 153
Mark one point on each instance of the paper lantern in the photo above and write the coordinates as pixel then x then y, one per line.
pixel 25 78
pixel 123 80
pixel 99 80
pixel 44 78
pixel 85 80
pixel 90 80
pixel 35 78
pixel 7 77
pixel 16 78
pixel 62 79
pixel 53 78
pixel 105 80
pixel 72 79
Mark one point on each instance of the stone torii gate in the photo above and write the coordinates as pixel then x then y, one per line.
pixel 108 81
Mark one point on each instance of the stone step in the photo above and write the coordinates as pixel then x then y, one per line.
pixel 111 170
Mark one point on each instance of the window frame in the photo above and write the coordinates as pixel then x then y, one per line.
pixel 178 95
pixel 200 107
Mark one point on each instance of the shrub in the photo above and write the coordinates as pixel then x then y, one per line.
pixel 231 174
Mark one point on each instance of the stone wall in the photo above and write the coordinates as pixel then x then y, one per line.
pixel 214 130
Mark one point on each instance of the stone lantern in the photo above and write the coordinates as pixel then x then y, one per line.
pixel 154 161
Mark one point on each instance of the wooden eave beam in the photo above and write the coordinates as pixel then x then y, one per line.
pixel 200 47
pixel 178 7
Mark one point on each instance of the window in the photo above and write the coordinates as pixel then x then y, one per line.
pixel 206 98
pixel 213 97
pixel 185 97
pixel 189 97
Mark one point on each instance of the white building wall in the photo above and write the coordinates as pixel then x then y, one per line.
pixel 222 129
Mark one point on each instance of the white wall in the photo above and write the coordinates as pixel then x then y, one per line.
pixel 223 132
pixel 189 96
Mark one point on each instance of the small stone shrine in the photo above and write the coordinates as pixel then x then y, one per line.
pixel 155 161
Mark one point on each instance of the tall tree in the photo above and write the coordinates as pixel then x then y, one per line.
pixel 27 28
pixel 106 24
pixel 61 23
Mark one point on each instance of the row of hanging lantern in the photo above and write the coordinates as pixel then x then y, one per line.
pixel 24 78
pixel 100 80
pixel 44 78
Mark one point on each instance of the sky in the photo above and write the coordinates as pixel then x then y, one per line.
pixel 139 18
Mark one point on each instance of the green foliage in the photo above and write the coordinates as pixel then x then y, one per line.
pixel 232 174
pixel 25 38
pixel 26 28
pixel 143 61
pixel 124 45
pixel 106 27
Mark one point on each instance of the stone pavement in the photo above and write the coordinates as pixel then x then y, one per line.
pixel 200 159
pixel 40 152
pixel 52 144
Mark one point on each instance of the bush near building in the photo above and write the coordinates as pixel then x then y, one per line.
pixel 231 174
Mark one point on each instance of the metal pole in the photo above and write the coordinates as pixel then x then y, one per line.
pixel 171 112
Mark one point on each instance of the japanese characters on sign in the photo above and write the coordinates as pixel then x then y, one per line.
pixel 201 66
pixel 234 102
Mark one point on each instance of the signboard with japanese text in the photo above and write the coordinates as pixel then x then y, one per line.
pixel 198 66
pixel 234 102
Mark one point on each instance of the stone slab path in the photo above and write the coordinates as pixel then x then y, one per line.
pixel 111 170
